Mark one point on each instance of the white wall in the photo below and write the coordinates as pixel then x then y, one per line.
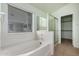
pixel 15 38
pixel 0 26
pixel 66 10
pixel 0 31
pixel 0 6
pixel 4 24
pixel 19 38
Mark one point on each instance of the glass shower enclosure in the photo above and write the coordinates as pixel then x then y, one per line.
pixel 53 26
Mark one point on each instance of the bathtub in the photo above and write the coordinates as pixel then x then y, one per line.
pixel 42 50
pixel 47 46
pixel 30 47
pixel 34 49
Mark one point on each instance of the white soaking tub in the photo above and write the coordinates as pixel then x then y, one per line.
pixel 47 46
pixel 42 50
pixel 31 47
pixel 21 48
pixel 34 49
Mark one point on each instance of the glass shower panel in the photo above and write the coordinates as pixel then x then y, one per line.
pixel 53 26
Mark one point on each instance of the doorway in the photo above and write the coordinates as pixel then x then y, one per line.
pixel 66 29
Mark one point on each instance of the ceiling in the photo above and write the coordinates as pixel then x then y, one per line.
pixel 48 7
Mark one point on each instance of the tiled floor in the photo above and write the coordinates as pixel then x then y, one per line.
pixel 66 49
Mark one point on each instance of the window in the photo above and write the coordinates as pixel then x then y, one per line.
pixel 19 20
pixel 41 23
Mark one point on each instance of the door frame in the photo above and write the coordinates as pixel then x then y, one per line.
pixel 72 25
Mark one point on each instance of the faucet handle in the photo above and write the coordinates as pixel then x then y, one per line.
pixel 40 42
